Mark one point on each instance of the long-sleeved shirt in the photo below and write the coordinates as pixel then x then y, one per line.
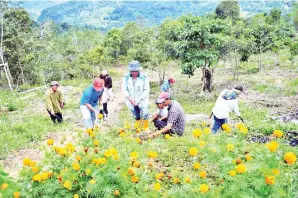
pixel 224 106
pixel 165 87
pixel 137 89
pixel 90 96
pixel 108 82
pixel 53 101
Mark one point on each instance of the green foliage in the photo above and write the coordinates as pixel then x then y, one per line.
pixel 295 14
pixel 228 9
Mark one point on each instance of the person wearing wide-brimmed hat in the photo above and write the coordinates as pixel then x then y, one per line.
pixel 54 103
pixel 89 102
pixel 166 85
pixel 136 88
pixel 226 102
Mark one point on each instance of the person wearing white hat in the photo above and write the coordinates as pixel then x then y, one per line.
pixel 136 88
pixel 54 103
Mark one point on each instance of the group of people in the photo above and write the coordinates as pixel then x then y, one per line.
pixel 169 118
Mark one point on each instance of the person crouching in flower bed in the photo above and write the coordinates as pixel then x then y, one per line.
pixel 226 102
pixel 161 116
pixel 54 102
pixel 89 102
pixel 176 117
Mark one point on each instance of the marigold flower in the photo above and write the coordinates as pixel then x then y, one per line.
pixel 150 163
pixel 88 171
pixel 134 179
pixel 67 185
pixel 157 186
pixel 232 173
pixel 275 171
pixel 50 142
pixel 290 158
pixel 167 136
pixel 176 180
pixel 26 161
pixel 89 131
pixel 242 128
pixel 32 163
pixel 136 164
pixel 248 157
pixel 270 180
pixel 116 193
pixel 44 176
pixel 131 171
pixel 226 128
pixel 134 155
pixel 241 168
pixel 204 124
pixel 122 134
pixel 92 181
pixel 196 166
pixel 203 188
pixel 92 135
pixel 197 133
pixel 152 154
pixel 70 147
pixel 193 151
pixel 272 146
pixel 187 180
pixel 138 140
pixel 4 186
pixel 203 174
pixel 36 178
pixel 100 116
pixel 61 151
pixel 230 147
pixel 16 194
pixel 278 133
pixel 207 131
pixel 78 158
pixel 95 142
pixel 76 166
pixel 76 196
pixel 159 176
pixel 238 161
pixel 35 169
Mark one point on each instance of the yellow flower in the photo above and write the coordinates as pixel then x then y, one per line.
pixel 159 176
pixel 203 174
pixel 240 168
pixel 278 133
pixel 44 176
pixel 16 194
pixel 89 131
pixel 230 147
pixel 134 179
pixel 116 157
pixel 270 180
pixel 138 140
pixel 176 180
pixel 226 128
pixel 96 142
pixel 26 161
pixel 197 133
pixel 32 163
pixel 187 180
pixel 167 136
pixel 157 186
pixel 248 157
pixel 232 173
pixel 275 171
pixel 4 186
pixel 203 188
pixel 116 193
pixel 242 128
pixel 88 171
pixel 127 125
pixel 76 166
pixel 67 185
pixel 193 151
pixel 92 181
pixel 136 164
pixel 204 124
pixel 76 196
pixel 202 144
pixel 131 171
pixel 35 169
pixel 50 142
pixel 207 131
pixel 78 158
pixel 62 151
pixel 134 155
pixel 152 154
pixel 122 134
pixel 70 147
pixel 36 177
pixel 196 166
pixel 272 146
pixel 290 158
pixel 100 116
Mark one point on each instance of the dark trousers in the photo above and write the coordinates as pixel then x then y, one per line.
pixel 160 124
pixel 56 116
pixel 217 123
pixel 105 108
pixel 137 112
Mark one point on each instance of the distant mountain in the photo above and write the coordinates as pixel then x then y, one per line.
pixel 108 14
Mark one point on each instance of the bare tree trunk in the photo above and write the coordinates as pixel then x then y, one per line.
pixel 236 65
pixel 203 79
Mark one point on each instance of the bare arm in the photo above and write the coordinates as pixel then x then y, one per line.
pixel 162 131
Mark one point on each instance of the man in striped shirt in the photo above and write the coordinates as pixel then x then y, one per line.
pixel 176 117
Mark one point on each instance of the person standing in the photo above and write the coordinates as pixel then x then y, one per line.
pixel 136 88
pixel 226 102
pixel 108 84
pixel 166 85
pixel 54 103
pixel 89 102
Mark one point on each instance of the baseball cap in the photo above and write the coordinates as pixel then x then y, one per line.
pixel 98 84
pixel 162 97
pixel 53 83
pixel 172 80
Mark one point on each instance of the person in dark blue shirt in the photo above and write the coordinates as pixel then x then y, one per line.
pixel 89 102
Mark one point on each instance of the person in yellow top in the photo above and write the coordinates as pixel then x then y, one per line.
pixel 54 102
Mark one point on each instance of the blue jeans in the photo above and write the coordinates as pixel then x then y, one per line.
pixel 89 116
pixel 140 113
pixel 217 124
pixel 160 124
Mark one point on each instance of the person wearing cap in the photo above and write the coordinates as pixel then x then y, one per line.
pixel 176 118
pixel 54 102
pixel 89 102
pixel 226 102
pixel 136 88
pixel 161 116
pixel 166 86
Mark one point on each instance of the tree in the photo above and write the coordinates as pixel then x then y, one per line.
pixel 295 14
pixel 228 9
pixel 112 43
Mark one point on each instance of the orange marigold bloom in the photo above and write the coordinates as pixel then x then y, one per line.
pixel 207 131
pixel 76 166
pixel 232 173
pixel 134 179
pixel 196 166
pixel 248 157
pixel 159 176
pixel 187 180
pixel 16 194
pixel 176 180
pixel 152 154
pixel 203 174
pixel 96 142
pixel 116 193
pixel 131 171
pixel 136 164
pixel 50 142
pixel 138 140
pixel 78 158
pixel 197 133
pixel 278 133
pixel 4 186
pixel 272 146
pixel 26 161
pixel 270 180
pixel 226 128
pixel 290 158
pixel 157 186
pixel 193 151
pixel 203 188
pixel 241 168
